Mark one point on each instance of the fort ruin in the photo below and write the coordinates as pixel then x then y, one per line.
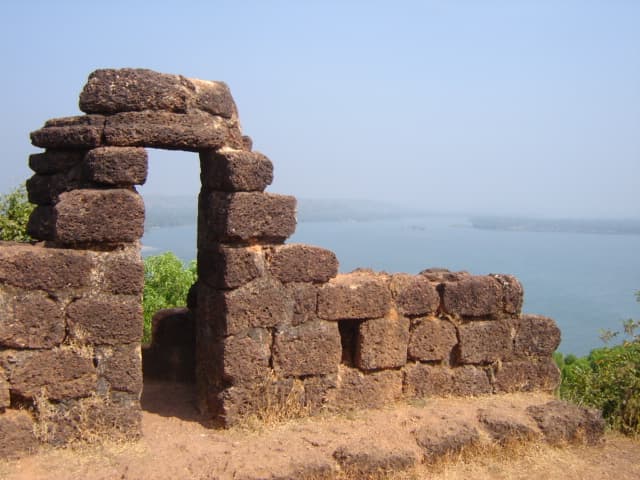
pixel 271 320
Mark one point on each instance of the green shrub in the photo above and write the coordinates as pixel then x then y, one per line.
pixel 166 284
pixel 607 379
pixel 15 210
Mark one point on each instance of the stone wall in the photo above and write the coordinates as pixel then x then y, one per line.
pixel 274 323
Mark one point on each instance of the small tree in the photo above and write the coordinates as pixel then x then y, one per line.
pixel 15 210
pixel 166 284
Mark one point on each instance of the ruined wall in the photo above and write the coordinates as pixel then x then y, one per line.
pixel 274 323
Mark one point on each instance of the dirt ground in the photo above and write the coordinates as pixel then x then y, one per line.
pixel 177 445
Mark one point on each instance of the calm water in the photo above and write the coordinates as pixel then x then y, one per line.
pixel 585 282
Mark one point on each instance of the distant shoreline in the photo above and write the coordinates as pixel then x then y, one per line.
pixel 587 226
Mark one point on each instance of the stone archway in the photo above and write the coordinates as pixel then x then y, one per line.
pixel 275 323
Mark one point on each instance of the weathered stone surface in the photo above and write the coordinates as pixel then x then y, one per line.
pixel 122 271
pixel 565 422
pixel 319 390
pixel 16 431
pixel 445 435
pixel 46 189
pixel 484 341
pixel 439 275
pixel 506 426
pixel 55 161
pixel 470 381
pixel 230 170
pixel 173 326
pixel 512 293
pixel 354 296
pixel 526 376
pixel 229 267
pixel 30 319
pixel 120 366
pixel 212 97
pixel 305 302
pixel 247 143
pixel 303 263
pixel 105 319
pixel 382 342
pixel 90 216
pixel 57 374
pixel 536 335
pixel 68 133
pixel 367 390
pixel 244 216
pixel 134 89
pixel 193 131
pixel 370 456
pixel 5 397
pixel 422 380
pixel 49 269
pixel 246 356
pixel 261 303
pixel 432 339
pixel 117 416
pixel 312 348
pixel 474 296
pixel 123 166
pixel 414 294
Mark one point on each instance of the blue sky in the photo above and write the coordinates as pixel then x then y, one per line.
pixel 509 107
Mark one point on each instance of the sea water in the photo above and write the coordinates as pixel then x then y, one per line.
pixel 586 282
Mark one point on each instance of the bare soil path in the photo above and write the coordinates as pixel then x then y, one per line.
pixel 176 445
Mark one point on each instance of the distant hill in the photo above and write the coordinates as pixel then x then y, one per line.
pixel 177 210
pixel 567 225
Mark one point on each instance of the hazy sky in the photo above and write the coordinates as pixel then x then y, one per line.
pixel 528 107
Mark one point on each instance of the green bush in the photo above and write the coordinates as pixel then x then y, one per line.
pixel 607 379
pixel 15 210
pixel 166 284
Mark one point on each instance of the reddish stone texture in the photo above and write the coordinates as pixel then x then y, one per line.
pixel 526 376
pixel 303 263
pixel 97 216
pixel 366 390
pixel 432 339
pixel 5 396
pixel 536 336
pixel 382 343
pixel 68 133
pixel 122 166
pixel 55 161
pixel 134 89
pixel 122 271
pixel 193 131
pixel 484 341
pixel 469 380
pixel 423 380
pixel 17 433
pixel 439 275
pixel 312 348
pixel 473 296
pixel 246 356
pixel 120 366
pixel 414 294
pixel 318 391
pixel 305 302
pixel 137 89
pixel 105 319
pixel 562 422
pixel 445 435
pixel 261 303
pixel 354 296
pixel 243 216
pixel 30 319
pixel 230 170
pixel 229 267
pixel 57 374
pixel 49 269
pixel 46 189
pixel 512 293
